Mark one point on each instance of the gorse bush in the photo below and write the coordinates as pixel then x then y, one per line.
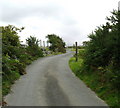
pixel 15 56
pixel 102 54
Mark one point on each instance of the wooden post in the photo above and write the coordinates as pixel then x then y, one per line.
pixel 76 55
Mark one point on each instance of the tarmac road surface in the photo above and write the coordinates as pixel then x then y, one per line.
pixel 50 82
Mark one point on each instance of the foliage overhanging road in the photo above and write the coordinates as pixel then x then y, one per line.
pixel 50 82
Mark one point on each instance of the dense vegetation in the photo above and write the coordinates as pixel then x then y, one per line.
pixel 16 56
pixel 99 61
pixel 57 44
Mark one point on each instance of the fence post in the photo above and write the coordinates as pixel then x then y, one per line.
pixel 76 55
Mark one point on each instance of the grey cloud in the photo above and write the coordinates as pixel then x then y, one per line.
pixel 12 13
pixel 15 13
pixel 71 34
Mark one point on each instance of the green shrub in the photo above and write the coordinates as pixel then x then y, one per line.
pixel 103 50
pixel 15 56
pixel 100 68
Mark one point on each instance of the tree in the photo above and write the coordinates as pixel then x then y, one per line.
pixel 57 44
pixel 33 47
pixel 10 39
pixel 32 41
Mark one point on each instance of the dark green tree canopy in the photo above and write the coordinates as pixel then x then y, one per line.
pixel 32 41
pixel 57 44
pixel 10 40
pixel 10 35
pixel 33 47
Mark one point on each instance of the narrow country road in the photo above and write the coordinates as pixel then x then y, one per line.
pixel 50 82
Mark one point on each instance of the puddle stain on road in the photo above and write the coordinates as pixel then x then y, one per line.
pixel 54 93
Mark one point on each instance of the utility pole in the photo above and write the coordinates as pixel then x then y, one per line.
pixel 76 55
pixel 119 6
pixel 44 44
pixel 47 44
pixel 40 43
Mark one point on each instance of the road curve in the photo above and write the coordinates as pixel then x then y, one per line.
pixel 50 82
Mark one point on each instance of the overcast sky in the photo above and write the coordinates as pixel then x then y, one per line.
pixel 72 20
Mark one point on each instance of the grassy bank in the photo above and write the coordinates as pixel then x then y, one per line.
pixel 94 81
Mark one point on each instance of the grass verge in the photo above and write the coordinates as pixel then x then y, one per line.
pixel 93 81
